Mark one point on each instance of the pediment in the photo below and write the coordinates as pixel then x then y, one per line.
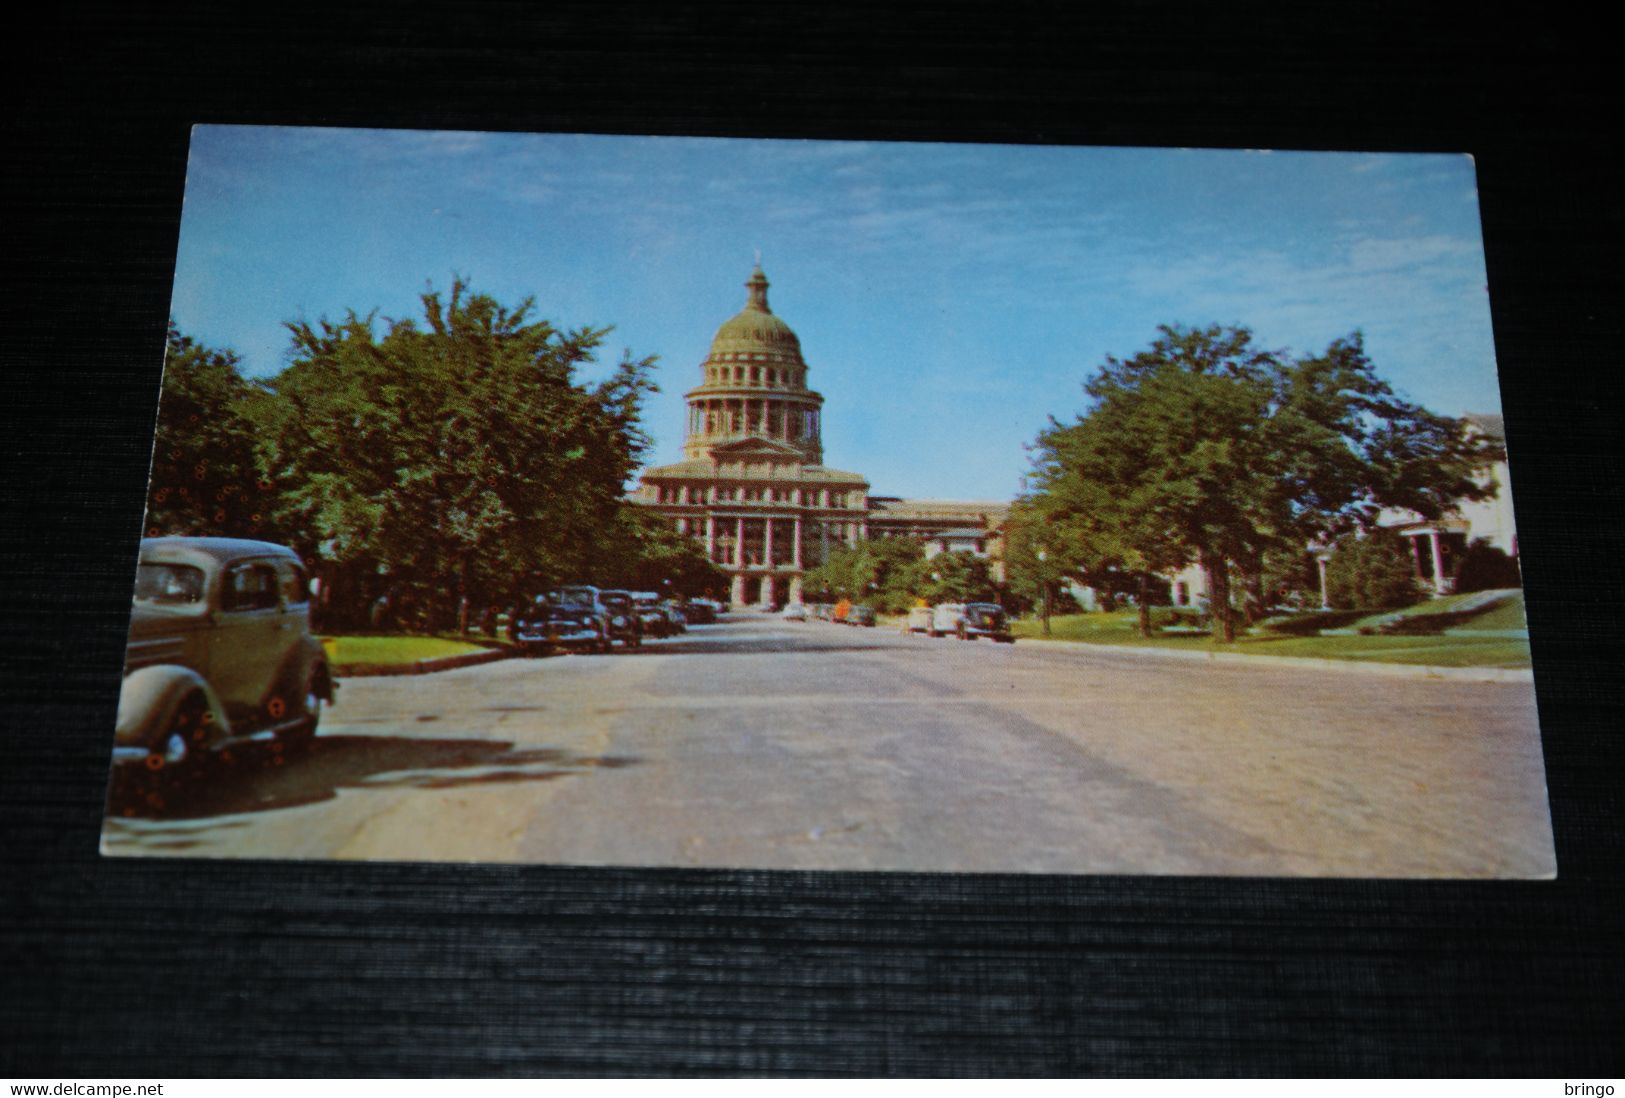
pixel 758 448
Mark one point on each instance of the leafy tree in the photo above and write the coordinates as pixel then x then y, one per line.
pixel 1207 449
pixel 885 573
pixel 205 480
pixel 458 458
pixel 954 577
pixel 644 552
pixel 1371 570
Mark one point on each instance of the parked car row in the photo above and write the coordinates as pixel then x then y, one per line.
pixel 220 649
pixel 965 620
pixel 592 619
pixel 841 613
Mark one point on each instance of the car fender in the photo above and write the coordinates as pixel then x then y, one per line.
pixel 150 698
pixel 308 662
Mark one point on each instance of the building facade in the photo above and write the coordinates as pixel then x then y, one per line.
pixel 751 486
pixel 1437 544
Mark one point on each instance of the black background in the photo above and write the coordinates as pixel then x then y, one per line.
pixel 143 968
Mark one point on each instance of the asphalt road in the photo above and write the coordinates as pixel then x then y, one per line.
pixel 756 743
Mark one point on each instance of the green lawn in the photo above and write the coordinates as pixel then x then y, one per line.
pixel 1438 651
pixel 1506 614
pixel 350 650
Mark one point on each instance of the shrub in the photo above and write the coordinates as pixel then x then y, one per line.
pixel 1372 571
pixel 1483 567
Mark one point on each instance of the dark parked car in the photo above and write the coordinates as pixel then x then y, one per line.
pixel 985 619
pixel 624 623
pixel 219 651
pixel 570 618
pixel 861 615
pixel 701 611
pixel 656 622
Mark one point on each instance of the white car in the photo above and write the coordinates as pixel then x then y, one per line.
pixel 918 620
pixel 795 612
pixel 946 618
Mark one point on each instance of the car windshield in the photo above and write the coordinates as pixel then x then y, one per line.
pixel 574 598
pixel 171 584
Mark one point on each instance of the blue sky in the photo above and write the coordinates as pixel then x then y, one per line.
pixel 949 298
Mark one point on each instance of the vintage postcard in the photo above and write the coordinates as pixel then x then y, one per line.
pixel 592 500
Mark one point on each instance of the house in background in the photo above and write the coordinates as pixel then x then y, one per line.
pixel 1436 545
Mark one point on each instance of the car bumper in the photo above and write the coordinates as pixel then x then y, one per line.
pixel 560 637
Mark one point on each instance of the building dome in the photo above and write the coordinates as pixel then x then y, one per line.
pixel 753 384
pixel 756 329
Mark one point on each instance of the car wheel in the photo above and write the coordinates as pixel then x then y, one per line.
pixel 300 735
pixel 180 750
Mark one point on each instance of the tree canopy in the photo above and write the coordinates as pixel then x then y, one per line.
pixel 464 451
pixel 456 455
pixel 1206 448
pixel 891 574
pixel 205 478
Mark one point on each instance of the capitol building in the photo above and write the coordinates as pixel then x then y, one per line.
pixel 752 486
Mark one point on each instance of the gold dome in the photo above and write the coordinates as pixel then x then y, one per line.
pixel 756 329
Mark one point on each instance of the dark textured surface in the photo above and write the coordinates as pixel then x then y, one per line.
pixel 139 969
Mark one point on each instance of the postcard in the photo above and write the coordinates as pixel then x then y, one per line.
pixel 605 500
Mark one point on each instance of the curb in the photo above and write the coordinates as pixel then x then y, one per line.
pixel 1393 670
pixel 421 667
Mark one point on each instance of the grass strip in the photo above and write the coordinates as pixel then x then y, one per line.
pixel 1430 650
pixel 394 650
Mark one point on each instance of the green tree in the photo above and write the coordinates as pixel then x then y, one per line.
pixel 458 458
pixel 955 577
pixel 884 573
pixel 644 552
pixel 1207 449
pixel 1371 570
pixel 205 480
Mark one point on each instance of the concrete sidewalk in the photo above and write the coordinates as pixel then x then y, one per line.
pixel 1355 667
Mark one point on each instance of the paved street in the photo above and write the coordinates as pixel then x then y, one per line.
pixel 768 744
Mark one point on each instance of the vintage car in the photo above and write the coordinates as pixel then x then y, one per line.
pixel 918 620
pixel 795 611
pixel 985 619
pixel 569 618
pixel 677 621
pixel 945 619
pixel 624 623
pixel 219 652
pixel 702 611
pixel 861 615
pixel 655 621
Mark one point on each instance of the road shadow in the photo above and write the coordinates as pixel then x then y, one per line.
pixel 265 776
